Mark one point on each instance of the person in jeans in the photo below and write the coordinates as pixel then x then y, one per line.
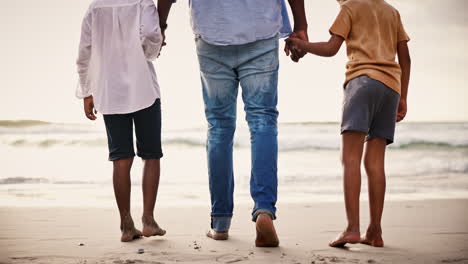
pixel 237 44
pixel 119 38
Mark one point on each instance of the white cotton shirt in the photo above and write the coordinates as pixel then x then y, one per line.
pixel 119 38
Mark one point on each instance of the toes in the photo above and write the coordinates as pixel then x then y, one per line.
pixel 159 232
pixel 344 238
pixel 377 242
pixel 154 232
pixel 364 240
pixel 337 243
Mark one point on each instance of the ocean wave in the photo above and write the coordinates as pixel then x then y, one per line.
pixel 284 145
pixel 23 180
pixel 23 123
pixel 292 137
pixel 427 144
pixel 426 176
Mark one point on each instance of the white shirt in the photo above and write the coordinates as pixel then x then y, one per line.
pixel 119 38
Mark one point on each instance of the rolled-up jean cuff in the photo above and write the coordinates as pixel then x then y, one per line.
pixel 262 211
pixel 221 223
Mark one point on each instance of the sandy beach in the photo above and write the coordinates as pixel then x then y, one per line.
pixel 432 231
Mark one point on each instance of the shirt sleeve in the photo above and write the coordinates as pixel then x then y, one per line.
pixel 150 32
pixel 401 35
pixel 84 56
pixel 342 24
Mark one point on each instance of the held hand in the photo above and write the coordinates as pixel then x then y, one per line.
pixel 163 33
pixel 296 54
pixel 402 109
pixel 89 109
pixel 295 43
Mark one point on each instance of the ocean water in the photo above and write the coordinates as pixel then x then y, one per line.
pixel 49 164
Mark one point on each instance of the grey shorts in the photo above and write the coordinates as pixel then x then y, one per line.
pixel 370 107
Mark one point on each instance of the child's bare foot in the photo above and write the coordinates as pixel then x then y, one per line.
pixel 151 228
pixel 266 233
pixel 373 237
pixel 129 232
pixel 217 235
pixel 344 238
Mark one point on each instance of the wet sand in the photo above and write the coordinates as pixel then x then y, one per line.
pixel 432 231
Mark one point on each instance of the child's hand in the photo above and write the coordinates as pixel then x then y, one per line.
pixel 402 109
pixel 89 109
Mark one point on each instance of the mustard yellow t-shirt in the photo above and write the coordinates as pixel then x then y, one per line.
pixel 372 29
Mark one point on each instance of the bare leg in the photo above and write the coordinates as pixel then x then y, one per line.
pixel 374 161
pixel 353 143
pixel 151 172
pixel 122 189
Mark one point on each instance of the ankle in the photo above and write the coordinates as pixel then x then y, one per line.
pixel 147 218
pixel 126 222
pixel 353 229
pixel 374 229
pixel 148 215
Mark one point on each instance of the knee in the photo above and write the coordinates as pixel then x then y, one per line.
pixel 262 121
pixel 374 166
pixel 220 126
pixel 221 132
pixel 123 163
pixel 350 161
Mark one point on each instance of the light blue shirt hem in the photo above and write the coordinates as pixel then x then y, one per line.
pixel 225 23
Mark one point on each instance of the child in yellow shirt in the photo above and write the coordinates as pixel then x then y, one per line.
pixel 375 95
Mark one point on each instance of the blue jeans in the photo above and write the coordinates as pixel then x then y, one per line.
pixel 255 67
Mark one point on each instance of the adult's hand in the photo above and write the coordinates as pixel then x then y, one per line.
pixel 300 28
pixel 164 7
pixel 295 53
pixel 163 33
pixel 89 109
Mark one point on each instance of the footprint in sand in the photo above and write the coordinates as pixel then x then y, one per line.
pixel 136 261
pixel 332 259
pixel 24 258
pixel 196 246
pixel 455 260
pixel 230 258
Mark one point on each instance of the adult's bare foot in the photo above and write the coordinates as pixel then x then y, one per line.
pixel 217 235
pixel 151 228
pixel 344 238
pixel 129 232
pixel 130 235
pixel 266 233
pixel 373 237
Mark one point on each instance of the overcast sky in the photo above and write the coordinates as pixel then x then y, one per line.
pixel 39 43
